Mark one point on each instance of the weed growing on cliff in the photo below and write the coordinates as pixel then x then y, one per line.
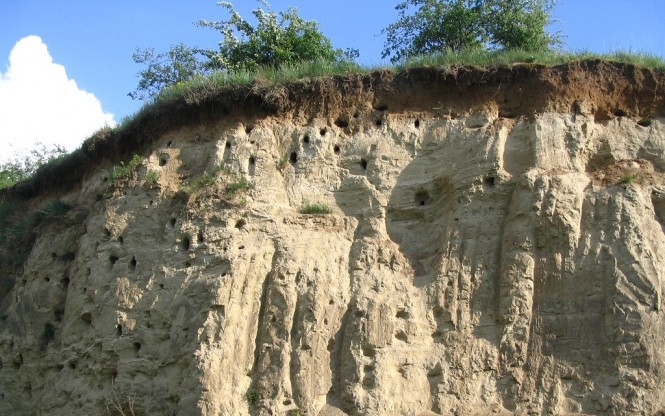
pixel 294 412
pixel 151 177
pixel 252 396
pixel 628 178
pixel 316 208
pixel 124 170
pixel 241 185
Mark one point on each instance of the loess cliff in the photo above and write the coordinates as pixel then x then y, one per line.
pixel 495 245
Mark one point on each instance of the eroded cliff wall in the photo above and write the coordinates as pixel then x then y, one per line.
pixel 485 254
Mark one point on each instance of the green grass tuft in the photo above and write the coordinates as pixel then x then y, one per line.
pixel 124 170
pixel 316 208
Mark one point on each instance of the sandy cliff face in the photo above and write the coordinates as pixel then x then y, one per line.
pixel 496 246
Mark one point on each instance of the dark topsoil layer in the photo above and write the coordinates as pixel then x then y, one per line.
pixel 607 89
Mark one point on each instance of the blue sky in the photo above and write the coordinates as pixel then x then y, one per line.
pixel 93 41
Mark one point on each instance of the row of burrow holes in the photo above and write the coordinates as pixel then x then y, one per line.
pixel 293 156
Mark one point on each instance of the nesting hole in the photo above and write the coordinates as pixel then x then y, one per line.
pixel 169 143
pixel 422 198
pixel 58 314
pixel 286 402
pixel 336 149
pixel 241 223
pixel 369 351
pixel 137 347
pixel 228 145
pixel 161 285
pixel 118 330
pixel 619 112
pixel 172 222
pixel 248 128
pixel 305 139
pixel 132 263
pixel 72 365
pixel 363 163
pixel 86 317
pixel 381 107
pixel 402 314
pixel 356 115
pixel 185 243
pixel 293 157
pixel 121 239
pixel 378 122
pixel 417 123
pixel 252 161
pixel 331 344
pixel 342 123
pixel 323 131
pixel 199 237
pixel 489 180
pixel 645 122
pixel 162 161
pixel 401 335
pixel 113 259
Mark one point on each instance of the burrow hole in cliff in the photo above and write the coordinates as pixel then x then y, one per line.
pixel 200 238
pixel 121 240
pixel 251 167
pixel 58 314
pixel 172 221
pixel 342 123
pixel 618 112
pixel 489 180
pixel 378 122
pixel 137 347
pixel 248 128
pixel 305 139
pixel 163 159
pixel 241 223
pixel 323 131
pixel 369 351
pixel 113 259
pixel 227 145
pixel 72 365
pixel 118 330
pixel 293 158
pixel 401 335
pixel 336 149
pixel 87 318
pixel 363 163
pixel 287 402
pixel 132 263
pixel 402 314
pixel 645 122
pixel 169 143
pixel 185 243
pixel 331 344
pixel 381 107
pixel 417 123
pixel 422 198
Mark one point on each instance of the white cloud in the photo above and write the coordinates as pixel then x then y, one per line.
pixel 38 103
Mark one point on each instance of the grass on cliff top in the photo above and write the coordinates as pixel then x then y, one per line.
pixel 200 88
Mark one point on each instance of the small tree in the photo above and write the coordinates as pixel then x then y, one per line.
pixel 179 64
pixel 21 167
pixel 277 39
pixel 439 25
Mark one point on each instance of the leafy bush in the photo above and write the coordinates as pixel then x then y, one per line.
pixel 277 39
pixel 124 171
pixel 21 167
pixel 457 25
pixel 316 208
